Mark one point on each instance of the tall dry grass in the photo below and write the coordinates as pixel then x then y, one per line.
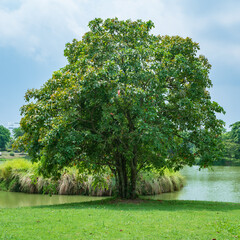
pixel 21 176
pixel 153 183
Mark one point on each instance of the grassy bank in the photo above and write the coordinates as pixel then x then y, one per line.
pixel 123 220
pixel 20 175
pixel 5 156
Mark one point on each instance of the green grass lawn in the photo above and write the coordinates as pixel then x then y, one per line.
pixel 123 220
pixel 6 156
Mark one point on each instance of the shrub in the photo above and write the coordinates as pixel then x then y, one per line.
pixel 21 175
pixel 14 165
pixel 11 154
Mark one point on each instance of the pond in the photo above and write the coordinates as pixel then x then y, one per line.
pixel 11 199
pixel 221 184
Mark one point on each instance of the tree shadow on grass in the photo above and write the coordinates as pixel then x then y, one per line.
pixel 148 205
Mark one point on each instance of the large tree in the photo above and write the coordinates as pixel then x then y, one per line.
pixel 126 100
pixel 5 136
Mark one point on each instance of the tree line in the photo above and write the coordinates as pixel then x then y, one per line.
pixel 231 150
pixel 6 140
pixel 230 154
pixel 230 139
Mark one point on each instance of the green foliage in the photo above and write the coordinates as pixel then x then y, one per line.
pixel 11 154
pixel 16 164
pixel 235 132
pixel 231 141
pixel 4 137
pixel 127 100
pixel 17 132
pixel 8 146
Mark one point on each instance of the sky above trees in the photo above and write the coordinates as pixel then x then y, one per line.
pixel 34 33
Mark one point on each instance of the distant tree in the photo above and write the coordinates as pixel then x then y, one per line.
pixel 235 132
pixel 17 132
pixel 5 136
pixel 8 146
pixel 231 141
pixel 127 100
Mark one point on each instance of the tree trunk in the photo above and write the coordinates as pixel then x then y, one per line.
pixel 122 177
pixel 126 178
pixel 133 183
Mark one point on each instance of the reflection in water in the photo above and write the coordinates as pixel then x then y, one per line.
pixel 10 199
pixel 219 184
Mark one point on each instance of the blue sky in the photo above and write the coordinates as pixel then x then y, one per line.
pixel 33 35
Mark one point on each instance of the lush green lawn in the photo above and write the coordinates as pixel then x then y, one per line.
pixel 117 220
pixel 6 156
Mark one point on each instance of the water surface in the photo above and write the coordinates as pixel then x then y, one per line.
pixel 221 184
pixel 12 199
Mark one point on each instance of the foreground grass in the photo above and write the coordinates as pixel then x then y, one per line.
pixel 123 220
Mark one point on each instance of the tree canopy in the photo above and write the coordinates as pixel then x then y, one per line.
pixel 4 136
pixel 127 100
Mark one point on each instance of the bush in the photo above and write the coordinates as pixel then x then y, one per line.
pixel 11 154
pixel 15 165
pixel 152 183
pixel 21 175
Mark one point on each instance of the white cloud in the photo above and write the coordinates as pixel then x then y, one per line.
pixel 217 32
pixel 40 29
pixel 228 15
pixel 222 53
pixel 167 16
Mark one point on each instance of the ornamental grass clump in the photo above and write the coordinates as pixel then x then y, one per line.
pixel 152 183
pixel 27 183
pixel 8 167
pixel 20 175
